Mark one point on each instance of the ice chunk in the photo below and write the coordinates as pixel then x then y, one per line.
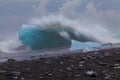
pixel 84 46
pixel 76 45
pixel 106 46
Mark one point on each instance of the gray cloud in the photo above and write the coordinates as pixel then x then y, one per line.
pixel 14 13
pixel 17 1
pixel 68 8
pixel 54 5
pixel 41 8
pixel 109 18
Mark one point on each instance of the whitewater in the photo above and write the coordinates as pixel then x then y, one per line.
pixel 69 29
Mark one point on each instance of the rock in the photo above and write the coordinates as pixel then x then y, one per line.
pixel 91 73
pixel 71 60
pixel 12 74
pixel 61 62
pixel 81 63
pixel 11 60
pixel 15 77
pixel 15 73
pixel 117 67
pixel 77 75
pixel 96 53
pixel 60 70
pixel 69 75
pixel 50 74
pixel 28 69
pixel 84 58
pixel 108 77
pixel 22 78
pixel 89 57
pixel 41 77
pixel 47 62
pixel 117 52
pixel 114 65
pixel 68 68
pixel 102 63
pixel 2 71
pixel 118 60
pixel 72 66
pixel 106 46
pixel 107 54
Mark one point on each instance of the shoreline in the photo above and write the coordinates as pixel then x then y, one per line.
pixel 97 65
pixel 36 54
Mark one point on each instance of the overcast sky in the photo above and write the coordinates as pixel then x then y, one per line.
pixel 14 13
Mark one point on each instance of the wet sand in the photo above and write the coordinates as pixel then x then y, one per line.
pixel 98 65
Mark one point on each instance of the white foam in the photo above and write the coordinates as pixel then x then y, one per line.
pixel 95 32
pixel 8 44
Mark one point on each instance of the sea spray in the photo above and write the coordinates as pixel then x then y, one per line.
pixel 76 29
pixel 9 45
pixel 67 28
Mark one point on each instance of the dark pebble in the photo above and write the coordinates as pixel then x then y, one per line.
pixel 11 60
pixel 108 77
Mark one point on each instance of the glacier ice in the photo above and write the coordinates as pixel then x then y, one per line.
pixel 84 46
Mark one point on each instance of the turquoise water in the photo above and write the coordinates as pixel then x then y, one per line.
pixel 38 38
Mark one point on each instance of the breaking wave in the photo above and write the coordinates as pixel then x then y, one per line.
pixel 67 28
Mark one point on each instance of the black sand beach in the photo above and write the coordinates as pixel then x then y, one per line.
pixel 100 65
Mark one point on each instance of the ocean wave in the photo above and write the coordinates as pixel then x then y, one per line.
pixel 47 28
